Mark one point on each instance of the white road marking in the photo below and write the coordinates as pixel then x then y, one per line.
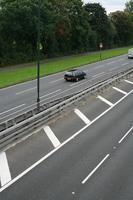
pixel 13 113
pixel 78 84
pixel 124 64
pixel 52 136
pixel 24 91
pixel 50 93
pixel 114 68
pixel 95 169
pixel 82 116
pixel 125 135
pixel 64 143
pixel 12 109
pixel 110 63
pixel 56 80
pixel 99 66
pixel 119 90
pixel 105 100
pixel 128 82
pixel 98 75
pixel 5 175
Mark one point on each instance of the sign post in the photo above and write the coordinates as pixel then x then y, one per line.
pixel 101 46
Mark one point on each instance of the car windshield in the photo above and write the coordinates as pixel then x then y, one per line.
pixel 130 51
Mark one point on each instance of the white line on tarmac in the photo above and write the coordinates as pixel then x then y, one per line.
pixel 56 80
pixel 98 75
pixel 24 91
pixel 50 93
pixel 5 175
pixel 99 66
pixel 124 64
pixel 128 82
pixel 105 100
pixel 12 109
pixel 114 68
pixel 82 116
pixel 95 169
pixel 60 146
pixel 110 63
pixel 52 136
pixel 119 90
pixel 125 135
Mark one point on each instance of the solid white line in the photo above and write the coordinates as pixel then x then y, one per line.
pixel 50 93
pixel 5 175
pixel 25 91
pixel 82 116
pixel 105 100
pixel 119 90
pixel 51 136
pixel 12 109
pixel 95 169
pixel 98 75
pixel 60 146
pixel 125 135
pixel 128 82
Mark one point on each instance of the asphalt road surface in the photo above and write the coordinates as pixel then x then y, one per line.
pixel 86 154
pixel 16 99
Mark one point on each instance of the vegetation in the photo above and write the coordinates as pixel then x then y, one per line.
pixel 67 27
pixel 20 73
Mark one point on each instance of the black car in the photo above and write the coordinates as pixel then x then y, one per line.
pixel 74 75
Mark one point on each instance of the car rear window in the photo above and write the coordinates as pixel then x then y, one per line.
pixel 68 73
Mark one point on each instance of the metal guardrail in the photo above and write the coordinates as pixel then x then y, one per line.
pixel 30 121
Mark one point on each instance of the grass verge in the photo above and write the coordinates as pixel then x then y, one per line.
pixel 13 75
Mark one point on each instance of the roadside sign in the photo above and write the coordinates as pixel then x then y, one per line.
pixel 101 45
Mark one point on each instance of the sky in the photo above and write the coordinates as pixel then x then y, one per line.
pixel 109 5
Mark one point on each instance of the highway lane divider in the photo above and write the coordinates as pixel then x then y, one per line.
pixel 28 122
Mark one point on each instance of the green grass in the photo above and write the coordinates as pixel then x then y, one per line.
pixel 20 73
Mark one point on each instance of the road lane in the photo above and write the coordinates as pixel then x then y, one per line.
pixel 52 83
pixel 60 176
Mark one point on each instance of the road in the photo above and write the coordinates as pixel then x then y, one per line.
pixel 85 155
pixel 22 97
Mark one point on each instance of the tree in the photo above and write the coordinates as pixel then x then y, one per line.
pixel 19 22
pixel 100 23
pixel 129 6
pixel 124 28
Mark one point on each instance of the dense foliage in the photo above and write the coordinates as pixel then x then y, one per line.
pixel 66 27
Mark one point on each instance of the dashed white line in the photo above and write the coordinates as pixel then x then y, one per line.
pixel 110 63
pixel 125 135
pixel 124 64
pixel 95 169
pixel 119 90
pixel 56 80
pixel 24 91
pixel 82 116
pixel 52 136
pixel 128 81
pixel 105 100
pixel 5 175
pixel 98 75
pixel 114 68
